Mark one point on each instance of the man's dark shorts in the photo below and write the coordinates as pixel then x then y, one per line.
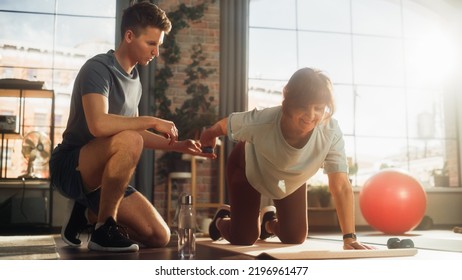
pixel 66 179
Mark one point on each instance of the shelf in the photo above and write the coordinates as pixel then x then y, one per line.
pixel 27 93
pixel 31 115
pixel 11 135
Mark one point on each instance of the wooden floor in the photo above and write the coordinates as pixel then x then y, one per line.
pixel 205 252
pixel 167 253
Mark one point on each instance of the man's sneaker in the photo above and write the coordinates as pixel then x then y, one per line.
pixel 108 237
pixel 75 223
pixel 222 212
pixel 267 214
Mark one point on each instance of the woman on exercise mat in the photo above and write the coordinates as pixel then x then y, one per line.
pixel 278 149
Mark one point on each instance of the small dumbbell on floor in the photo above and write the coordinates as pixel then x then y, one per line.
pixel 396 243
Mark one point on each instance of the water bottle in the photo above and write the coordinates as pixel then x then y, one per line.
pixel 186 229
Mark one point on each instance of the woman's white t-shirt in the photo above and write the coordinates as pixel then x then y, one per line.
pixel 273 167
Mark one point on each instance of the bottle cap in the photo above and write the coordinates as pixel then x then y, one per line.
pixel 186 200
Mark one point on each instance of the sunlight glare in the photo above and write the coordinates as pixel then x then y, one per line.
pixel 436 58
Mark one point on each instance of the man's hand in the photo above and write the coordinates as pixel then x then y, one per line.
pixel 168 129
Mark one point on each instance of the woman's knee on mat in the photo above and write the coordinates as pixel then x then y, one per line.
pixel 243 240
pixel 244 235
pixel 297 236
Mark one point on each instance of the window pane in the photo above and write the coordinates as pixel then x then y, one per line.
pixel 272 54
pixel 344 108
pixel 62 110
pixel 418 20
pixel 378 17
pixel 375 154
pixel 63 80
pixel 70 58
pixel 43 6
pixel 41 45
pixel 265 93
pixel 272 13
pixel 330 53
pixel 62 104
pixel 85 35
pixel 31 34
pixel 425 55
pixel 87 7
pixel 450 110
pixel 378 61
pixel 326 15
pixel 429 157
pixel 390 62
pixel 380 112
pixel 350 148
pixel 426 116
pixel 350 152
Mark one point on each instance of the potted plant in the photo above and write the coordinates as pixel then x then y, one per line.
pixel 441 176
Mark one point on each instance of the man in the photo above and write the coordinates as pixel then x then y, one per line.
pixel 104 139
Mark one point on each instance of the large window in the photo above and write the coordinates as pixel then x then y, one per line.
pixel 48 41
pixel 390 62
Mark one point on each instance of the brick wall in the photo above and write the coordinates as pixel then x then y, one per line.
pixel 205 31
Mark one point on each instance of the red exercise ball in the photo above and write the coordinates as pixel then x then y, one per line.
pixel 392 201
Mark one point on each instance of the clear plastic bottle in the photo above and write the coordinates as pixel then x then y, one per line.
pixel 186 229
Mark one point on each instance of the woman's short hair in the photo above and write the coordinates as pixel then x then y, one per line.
pixel 309 86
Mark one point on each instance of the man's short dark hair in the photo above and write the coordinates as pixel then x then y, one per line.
pixel 144 14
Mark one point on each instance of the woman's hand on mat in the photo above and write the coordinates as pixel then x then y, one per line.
pixel 356 245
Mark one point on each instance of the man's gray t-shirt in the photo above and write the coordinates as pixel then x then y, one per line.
pixel 101 74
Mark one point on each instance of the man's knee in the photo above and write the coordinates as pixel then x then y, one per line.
pixel 129 141
pixel 157 238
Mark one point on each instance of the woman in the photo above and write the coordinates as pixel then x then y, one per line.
pixel 278 150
